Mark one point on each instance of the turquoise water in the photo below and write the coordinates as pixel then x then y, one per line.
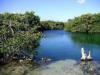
pixel 60 45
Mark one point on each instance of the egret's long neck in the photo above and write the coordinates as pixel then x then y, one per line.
pixel 82 51
pixel 89 53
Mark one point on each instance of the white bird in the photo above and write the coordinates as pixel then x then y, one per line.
pixel 89 56
pixel 84 55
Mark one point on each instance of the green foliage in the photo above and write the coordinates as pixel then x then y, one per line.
pixel 88 23
pixel 52 25
pixel 19 32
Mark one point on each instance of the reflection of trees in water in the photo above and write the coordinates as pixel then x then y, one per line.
pixel 90 68
pixel 86 38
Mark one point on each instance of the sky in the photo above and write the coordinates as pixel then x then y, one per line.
pixel 57 10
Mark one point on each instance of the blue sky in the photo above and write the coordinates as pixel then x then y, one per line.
pixel 58 10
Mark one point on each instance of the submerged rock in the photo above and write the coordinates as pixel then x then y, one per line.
pixel 68 67
pixel 64 67
pixel 90 68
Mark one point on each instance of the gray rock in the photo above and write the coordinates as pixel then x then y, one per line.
pixel 64 67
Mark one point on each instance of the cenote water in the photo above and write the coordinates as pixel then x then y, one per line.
pixel 61 45
pixel 64 48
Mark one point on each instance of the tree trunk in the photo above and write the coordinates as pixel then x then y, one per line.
pixel 12 31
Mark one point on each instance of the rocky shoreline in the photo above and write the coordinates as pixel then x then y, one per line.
pixel 68 67
pixel 62 67
pixel 17 68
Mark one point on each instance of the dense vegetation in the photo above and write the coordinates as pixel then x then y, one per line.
pixel 18 32
pixel 52 25
pixel 21 32
pixel 88 23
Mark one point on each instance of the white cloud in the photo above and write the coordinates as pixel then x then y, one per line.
pixel 81 1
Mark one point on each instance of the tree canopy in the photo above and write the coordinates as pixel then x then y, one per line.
pixel 19 32
pixel 88 23
pixel 52 25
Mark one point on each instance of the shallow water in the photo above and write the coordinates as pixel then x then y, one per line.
pixel 67 67
pixel 63 67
